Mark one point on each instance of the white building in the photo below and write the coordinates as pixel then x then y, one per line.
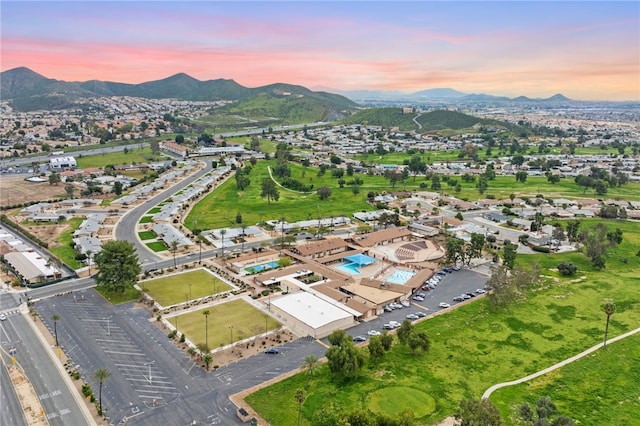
pixel 62 163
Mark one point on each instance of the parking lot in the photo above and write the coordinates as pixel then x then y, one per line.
pixel 451 285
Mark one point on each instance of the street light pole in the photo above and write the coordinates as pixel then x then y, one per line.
pixel 231 334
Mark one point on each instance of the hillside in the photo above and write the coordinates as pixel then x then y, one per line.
pixel 29 91
pixel 434 120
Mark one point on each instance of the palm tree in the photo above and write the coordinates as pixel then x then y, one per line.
pixel 207 360
pixel 101 375
pixel 206 314
pixel 300 397
pixel 609 309
pixel 244 227
pixel 55 318
pixel 222 233
pixel 174 249
pixel 89 253
pixel 310 363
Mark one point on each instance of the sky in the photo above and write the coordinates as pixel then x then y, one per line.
pixel 587 50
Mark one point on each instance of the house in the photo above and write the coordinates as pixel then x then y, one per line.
pixel 62 163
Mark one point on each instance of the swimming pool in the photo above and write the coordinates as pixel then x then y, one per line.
pixel 400 277
pixel 349 267
pixel 261 267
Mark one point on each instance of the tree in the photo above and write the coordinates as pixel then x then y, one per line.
pixel 435 183
pixel 269 190
pixel 567 268
pixel 521 176
pixel 608 309
pixel 596 244
pixel 387 340
pixel 68 188
pixel 573 227
pixel 404 331
pixel 223 232
pixel 101 375
pixel 173 247
pixel 206 314
pixel 54 178
pixel 155 147
pixel 482 185
pixel 507 287
pixel 509 255
pixel 118 266
pixel 89 253
pixel 455 250
pixel 474 249
pixel 55 318
pixel 343 357
pixel 207 358
pixel 117 187
pixel 478 412
pixel 300 397
pixel 418 339
pixel 179 139
pixel 375 348
pixel 310 364
pixel 324 192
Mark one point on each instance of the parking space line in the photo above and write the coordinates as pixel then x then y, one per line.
pixel 126 353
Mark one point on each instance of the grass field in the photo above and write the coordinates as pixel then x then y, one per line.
pixel 129 294
pixel 146 219
pixel 147 235
pixel 219 209
pixel 135 155
pixel 601 389
pixel 182 287
pixel 475 346
pixel 157 246
pixel 65 251
pixel 246 321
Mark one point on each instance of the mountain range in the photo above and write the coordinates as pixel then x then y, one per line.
pixel 28 90
pixel 444 94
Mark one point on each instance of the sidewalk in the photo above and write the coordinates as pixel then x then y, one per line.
pixel 489 391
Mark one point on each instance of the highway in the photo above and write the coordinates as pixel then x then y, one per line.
pixel 60 402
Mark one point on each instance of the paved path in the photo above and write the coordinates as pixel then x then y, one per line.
pixel 489 391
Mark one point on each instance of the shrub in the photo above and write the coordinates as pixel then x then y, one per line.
pixel 541 249
pixel 567 268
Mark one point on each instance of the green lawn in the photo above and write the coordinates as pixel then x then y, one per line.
pixel 182 287
pixel 246 321
pixel 135 155
pixel 474 346
pixel 599 389
pixel 147 235
pixel 129 294
pixel 146 219
pixel 65 251
pixel 157 246
pixel 219 208
pixel 154 211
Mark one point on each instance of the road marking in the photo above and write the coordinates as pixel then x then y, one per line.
pixel 126 353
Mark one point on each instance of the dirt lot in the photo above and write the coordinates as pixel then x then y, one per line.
pixel 16 190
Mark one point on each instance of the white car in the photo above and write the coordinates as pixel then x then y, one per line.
pixel 405 304
pixel 373 333
pixel 412 317
pixel 480 291
pixel 444 305
pixel 3 317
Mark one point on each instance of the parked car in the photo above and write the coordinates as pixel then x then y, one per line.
pixel 3 317
pixel 458 299
pixel 389 326
pixel 444 305
pixel 405 303
pixel 448 270
pixel 373 333
pixel 359 339
pixel 418 298
pixel 480 291
pixel 471 295
pixel 456 268
pixel 412 317
pixel 395 323
pixel 465 296
pixel 441 273
pixel 421 314
pixel 388 308
pixel 272 351
pixel 421 294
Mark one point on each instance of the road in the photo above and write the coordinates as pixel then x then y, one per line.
pixel 59 401
pixel 11 413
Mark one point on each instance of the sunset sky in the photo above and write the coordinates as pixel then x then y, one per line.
pixel 586 50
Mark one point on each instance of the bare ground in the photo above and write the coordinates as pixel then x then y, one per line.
pixel 16 190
